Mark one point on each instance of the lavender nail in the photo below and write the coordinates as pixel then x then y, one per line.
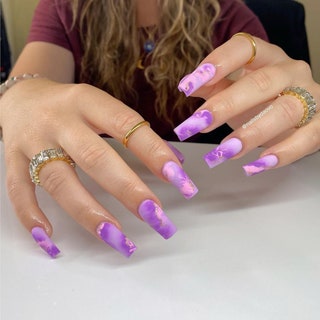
pixel 223 152
pixel 198 121
pixel 43 240
pixel 260 165
pixel 178 177
pixel 111 235
pixel 177 152
pixel 193 81
pixel 157 219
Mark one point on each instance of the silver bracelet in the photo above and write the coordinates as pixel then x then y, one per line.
pixel 11 82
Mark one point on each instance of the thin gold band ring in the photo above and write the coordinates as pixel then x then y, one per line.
pixel 132 130
pixel 253 44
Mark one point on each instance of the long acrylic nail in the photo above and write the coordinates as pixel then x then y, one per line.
pixel 193 81
pixel 157 219
pixel 177 152
pixel 223 152
pixel 178 177
pixel 260 165
pixel 200 120
pixel 44 241
pixel 111 235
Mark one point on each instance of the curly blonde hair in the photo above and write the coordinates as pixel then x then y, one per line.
pixel 110 38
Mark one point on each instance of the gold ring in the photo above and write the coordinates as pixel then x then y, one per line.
pixel 132 130
pixel 253 44
pixel 44 157
pixel 307 100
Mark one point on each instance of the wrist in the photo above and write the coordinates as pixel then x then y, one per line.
pixel 11 82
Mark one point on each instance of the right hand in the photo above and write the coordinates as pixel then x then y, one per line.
pixel 40 114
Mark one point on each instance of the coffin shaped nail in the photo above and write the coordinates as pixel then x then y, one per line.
pixel 111 235
pixel 200 120
pixel 157 219
pixel 44 241
pixel 223 152
pixel 177 152
pixel 260 165
pixel 179 178
pixel 193 81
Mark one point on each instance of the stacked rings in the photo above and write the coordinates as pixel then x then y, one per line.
pixel 44 157
pixel 307 100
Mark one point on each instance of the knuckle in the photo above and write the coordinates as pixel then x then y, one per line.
pixel 129 187
pixel 229 106
pixel 125 121
pixel 261 80
pixel 13 187
pixel 91 156
pixel 53 182
pixel 302 68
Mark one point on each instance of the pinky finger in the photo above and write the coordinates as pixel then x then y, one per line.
pixel 302 142
pixel 21 192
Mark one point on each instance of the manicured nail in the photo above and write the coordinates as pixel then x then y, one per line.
pixel 200 120
pixel 178 177
pixel 43 240
pixel 193 81
pixel 111 235
pixel 260 165
pixel 223 152
pixel 157 219
pixel 177 152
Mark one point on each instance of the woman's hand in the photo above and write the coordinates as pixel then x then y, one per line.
pixel 39 114
pixel 252 98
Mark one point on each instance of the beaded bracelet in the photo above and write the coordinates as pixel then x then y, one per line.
pixel 11 82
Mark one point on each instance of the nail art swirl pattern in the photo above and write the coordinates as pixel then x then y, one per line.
pixel 223 152
pixel 178 177
pixel 43 240
pixel 110 234
pixel 198 121
pixel 193 81
pixel 260 165
pixel 157 219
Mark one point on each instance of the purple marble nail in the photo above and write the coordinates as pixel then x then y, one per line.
pixel 178 177
pixel 111 235
pixel 43 240
pixel 193 81
pixel 260 165
pixel 157 219
pixel 223 152
pixel 200 120
pixel 177 152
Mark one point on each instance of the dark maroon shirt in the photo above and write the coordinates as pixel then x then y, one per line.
pixel 52 23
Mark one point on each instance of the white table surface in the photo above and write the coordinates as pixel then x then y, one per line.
pixel 246 248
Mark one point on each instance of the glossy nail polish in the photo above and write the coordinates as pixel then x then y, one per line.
pixel 260 165
pixel 177 152
pixel 111 235
pixel 223 152
pixel 152 214
pixel 193 81
pixel 44 241
pixel 200 120
pixel 178 177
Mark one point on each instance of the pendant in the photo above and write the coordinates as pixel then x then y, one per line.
pixel 148 46
pixel 139 64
